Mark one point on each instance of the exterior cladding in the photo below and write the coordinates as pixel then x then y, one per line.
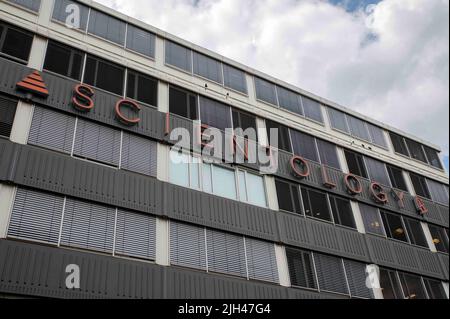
pixel 28 269
pixel 50 171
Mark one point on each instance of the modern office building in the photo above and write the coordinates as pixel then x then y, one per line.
pixel 89 189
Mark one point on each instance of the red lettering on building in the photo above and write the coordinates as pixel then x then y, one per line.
pixel 378 193
pixel 124 119
pixel 420 205
pixel 34 84
pixel 353 184
pixel 326 180
pixel 296 162
pixel 82 98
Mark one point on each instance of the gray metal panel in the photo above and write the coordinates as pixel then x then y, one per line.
pixel 444 260
pixel 330 274
pixel 261 260
pixel 52 130
pixel 357 279
pixel 36 216
pixel 187 246
pixel 139 155
pixel 135 235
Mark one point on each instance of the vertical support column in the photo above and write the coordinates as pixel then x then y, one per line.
pixel 326 118
pixel 163 155
pixel 22 123
pixel 37 55
pixel 445 284
pixel 282 265
pixel 409 184
pixel 159 52
pixel 163 97
pixel 162 242
pixel 45 12
pixel 358 217
pixel 251 88
pixel 429 237
pixel 7 194
pixel 389 142
pixel 342 160
pixel 272 197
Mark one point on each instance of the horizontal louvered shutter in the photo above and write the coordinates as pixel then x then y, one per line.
pixel 7 113
pixel 261 260
pixel 187 246
pixel 330 273
pixel 89 226
pixel 357 277
pixel 301 268
pixel 97 142
pixel 36 216
pixel 135 235
pixel 52 129
pixel 226 253
pixel 138 155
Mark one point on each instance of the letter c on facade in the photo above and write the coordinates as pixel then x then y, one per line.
pixel 124 119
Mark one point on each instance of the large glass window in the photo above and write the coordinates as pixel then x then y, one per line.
pixel 394 226
pixel 399 144
pixel 433 157
pixel 415 232
pixel 420 185
pixel 312 109
pixel 331 274
pixel 7 113
pixel 316 204
pixel 179 169
pixel 356 164
pixel 104 75
pixel 372 219
pixel 328 154
pixel 32 5
pixel 15 43
pixel 358 128
pixel 234 79
pixel 183 103
pixel 342 212
pixel 301 268
pixel 390 284
pixel 64 60
pixel 397 178
pixel 289 100
pixel 377 171
pixel 416 150
pixel 140 41
pixel 435 289
pixel 245 121
pixel 107 27
pixel 412 286
pixel 215 114
pixel 178 56
pixel 440 238
pixel 265 91
pixel 438 192
pixel 63 10
pixel 284 141
pixel 288 196
pixel 142 88
pixel 377 135
pixel 304 145
pixel 252 189
pixel 224 182
pixel 338 120
pixel 207 67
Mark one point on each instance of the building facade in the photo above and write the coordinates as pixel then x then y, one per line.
pixel 88 181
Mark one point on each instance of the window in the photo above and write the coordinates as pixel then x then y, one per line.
pixel 284 141
pixel 252 189
pixel 140 41
pixel 435 289
pixel 301 268
pixel 433 157
pixel 97 142
pixel 415 232
pixel 438 192
pixel 179 169
pixel 358 128
pixel 32 5
pixel 261 260
pixel 390 285
pixel 224 182
pixel 265 91
pixel 107 27
pixel 60 14
pixel 331 274
pixel 64 60
pixel 397 178
pixel 377 135
pixel 394 227
pixel 316 204
pixel 304 145
pixel 328 154
pixel 104 75
pixel 245 121
pixel 312 109
pixel 207 67
pixel 289 100
pixel 399 144
pixel 440 238
pixel 420 185
pixel 412 286
pixel 7 113
pixel 138 155
pixel 338 120
pixel 416 150
pixel 357 277
pixel 356 164
pixel 377 171
pixel 234 79
pixel 36 216
pixel 187 246
pixel 342 212
pixel 215 114
pixel 178 56
pixel 142 88
pixel 372 219
pixel 15 43
pixel 288 197
pixel 183 103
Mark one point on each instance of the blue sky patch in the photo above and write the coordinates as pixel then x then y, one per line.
pixel 353 5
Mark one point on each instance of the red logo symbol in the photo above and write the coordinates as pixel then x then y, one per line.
pixel 34 83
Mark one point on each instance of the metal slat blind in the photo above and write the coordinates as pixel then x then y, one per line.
pixel 7 113
pixel 187 246
pixel 138 155
pixel 330 273
pixel 261 260
pixel 52 129
pixel 226 253
pixel 36 216
pixel 135 235
pixel 97 142
pixel 357 276
pixel 88 226
pixel 301 268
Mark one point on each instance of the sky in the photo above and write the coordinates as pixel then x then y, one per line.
pixel 388 59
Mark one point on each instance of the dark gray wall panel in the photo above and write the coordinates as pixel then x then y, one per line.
pixel 444 260
pixel 8 153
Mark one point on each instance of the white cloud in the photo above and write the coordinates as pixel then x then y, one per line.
pixel 391 64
